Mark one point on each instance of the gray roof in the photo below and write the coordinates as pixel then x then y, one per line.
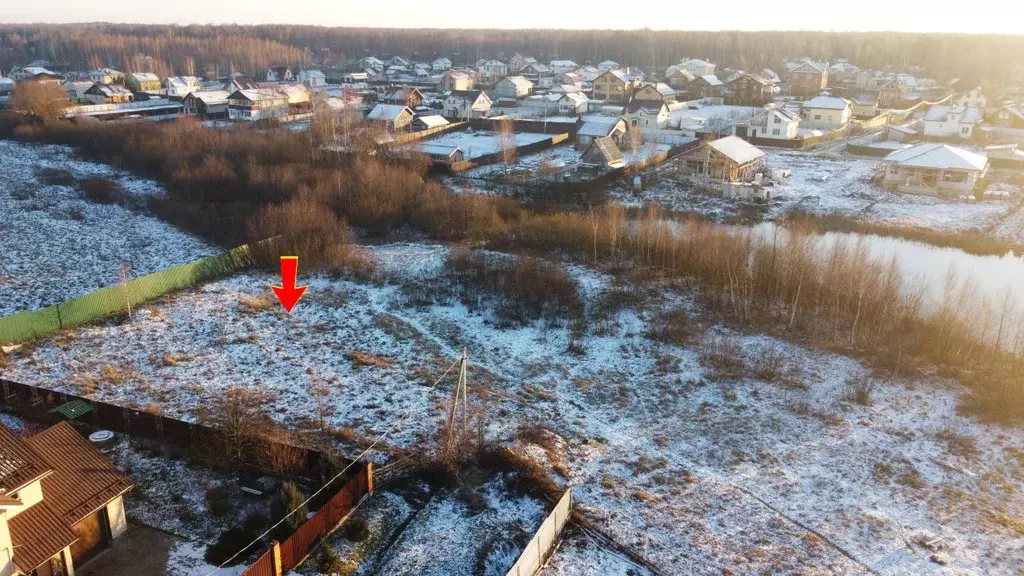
pixel 827 103
pixel 967 114
pixel 935 155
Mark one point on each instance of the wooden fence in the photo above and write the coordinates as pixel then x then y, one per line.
pixel 409 137
pixel 540 545
pixel 283 557
pixel 37 403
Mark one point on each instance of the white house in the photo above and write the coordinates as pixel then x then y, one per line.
pixel 372 63
pixel 588 73
pixel 573 104
pixel 491 71
pixel 697 67
pixel 943 121
pixel 105 76
pixel 393 116
pixel 76 88
pixel 608 65
pixel 313 79
pixel 257 104
pixel 466 104
pixel 776 123
pixel 398 61
pixel 279 74
pixel 933 168
pixel 441 64
pixel 973 98
pixel 826 113
pixel 181 86
pixel 563 66
pixel 651 114
pixel 513 87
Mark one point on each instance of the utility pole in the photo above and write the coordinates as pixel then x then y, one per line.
pixel 460 389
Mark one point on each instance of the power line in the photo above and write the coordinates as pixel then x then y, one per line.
pixel 380 439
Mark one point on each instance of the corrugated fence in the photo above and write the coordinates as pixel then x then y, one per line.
pixel 117 299
pixel 288 555
pixel 539 548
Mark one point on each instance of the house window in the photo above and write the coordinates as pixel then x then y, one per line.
pixel 817 116
pixel 775 132
pixel 777 121
pixel 965 131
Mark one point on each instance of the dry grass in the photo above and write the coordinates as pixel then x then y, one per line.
pixel 959 444
pixel 360 359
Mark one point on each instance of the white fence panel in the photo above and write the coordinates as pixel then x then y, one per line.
pixel 540 545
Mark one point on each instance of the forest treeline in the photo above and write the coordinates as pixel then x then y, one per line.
pixel 246 184
pixel 251 49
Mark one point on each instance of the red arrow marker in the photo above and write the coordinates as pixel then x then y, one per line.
pixel 287 292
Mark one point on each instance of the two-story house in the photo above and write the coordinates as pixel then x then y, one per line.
pixel 458 79
pixel 279 74
pixel 563 66
pixel 465 104
pixel 649 114
pixel 61 502
pixel 973 98
pixel 408 96
pixel 441 64
pixel 808 78
pixel 142 82
pixel 513 87
pixel 105 76
pixel 707 86
pixel 109 94
pixel 613 87
pixel 257 104
pixel 312 79
pixel 655 92
pixel 491 71
pixel 206 104
pixel 776 123
pixel 942 121
pixel 181 86
pixel 750 90
pixel 827 112
pixel 392 116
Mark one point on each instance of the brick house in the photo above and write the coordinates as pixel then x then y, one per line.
pixel 808 79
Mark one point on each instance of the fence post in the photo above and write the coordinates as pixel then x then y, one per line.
pixel 369 477
pixel 275 551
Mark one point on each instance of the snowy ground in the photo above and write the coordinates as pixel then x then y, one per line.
pixel 56 246
pixel 824 183
pixel 481 142
pixel 698 462
pixel 558 157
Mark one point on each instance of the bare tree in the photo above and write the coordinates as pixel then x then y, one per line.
pixel 41 101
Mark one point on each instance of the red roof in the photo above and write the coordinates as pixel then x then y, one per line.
pixel 76 480
pixel 83 480
pixel 37 534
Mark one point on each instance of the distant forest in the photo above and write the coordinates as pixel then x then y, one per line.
pixel 208 49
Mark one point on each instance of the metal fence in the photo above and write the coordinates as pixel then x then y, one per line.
pixel 118 299
pixel 286 556
pixel 537 551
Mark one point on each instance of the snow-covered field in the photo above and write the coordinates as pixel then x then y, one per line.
pixel 481 142
pixel 829 184
pixel 557 158
pixel 751 458
pixel 54 245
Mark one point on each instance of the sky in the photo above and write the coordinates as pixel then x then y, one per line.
pixel 981 16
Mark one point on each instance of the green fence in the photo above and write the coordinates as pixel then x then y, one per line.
pixel 117 299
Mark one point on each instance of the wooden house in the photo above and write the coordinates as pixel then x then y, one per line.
pixel 206 104
pixel 458 79
pixel 707 86
pixel 657 92
pixel 750 90
pixel 393 116
pixel 729 159
pixel 109 94
pixel 410 97
pixel 614 87
pixel 257 104
pixel 279 74
pixel 513 87
pixel 603 153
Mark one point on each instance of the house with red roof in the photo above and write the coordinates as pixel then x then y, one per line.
pixel 61 502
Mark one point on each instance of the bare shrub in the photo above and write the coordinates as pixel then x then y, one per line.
pixel 770 365
pixel 858 390
pixel 672 326
pixel 522 289
pixel 55 177
pixel 722 353
pixel 959 444
pixel 101 190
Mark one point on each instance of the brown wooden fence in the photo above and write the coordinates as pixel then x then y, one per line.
pixel 37 403
pixel 288 555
